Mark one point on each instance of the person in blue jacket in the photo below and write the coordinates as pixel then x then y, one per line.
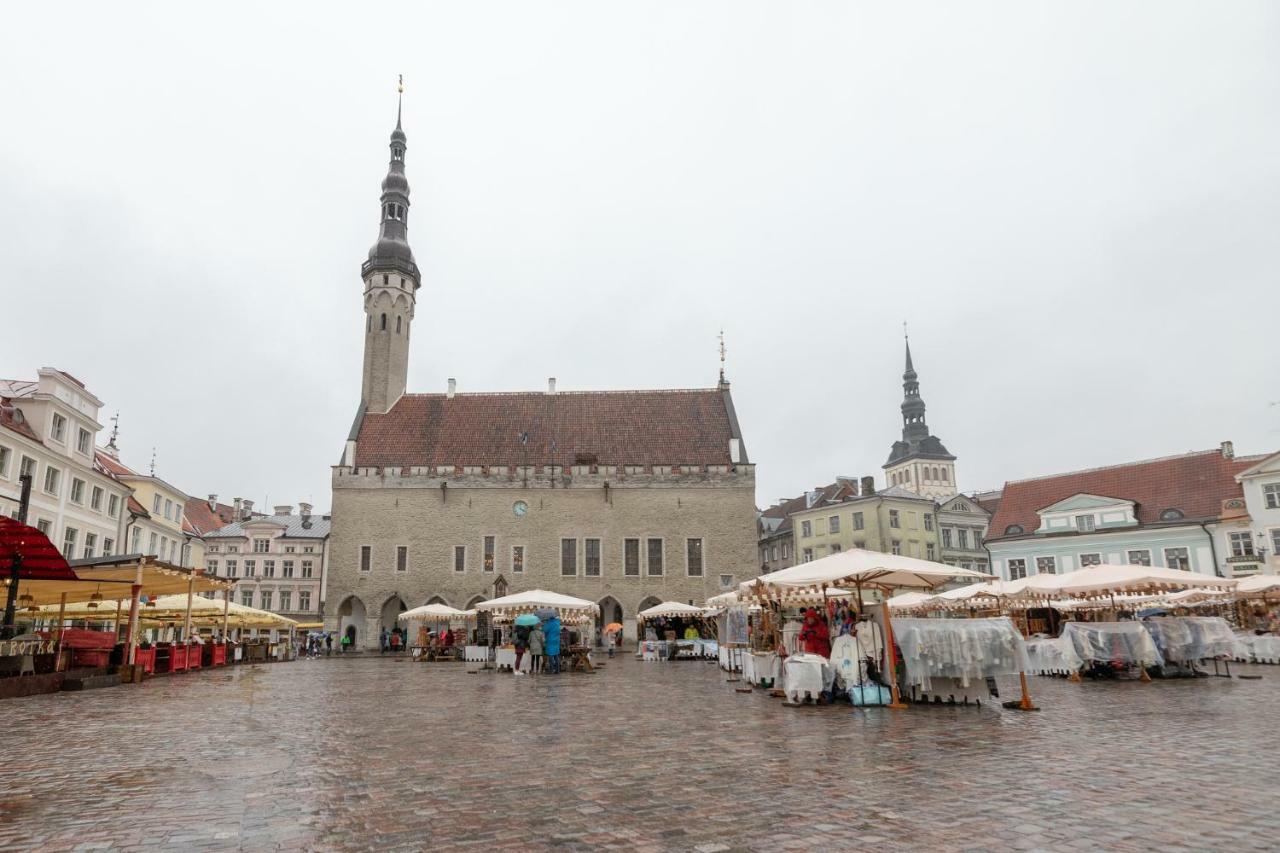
pixel 551 630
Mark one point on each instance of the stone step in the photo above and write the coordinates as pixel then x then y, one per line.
pixel 90 682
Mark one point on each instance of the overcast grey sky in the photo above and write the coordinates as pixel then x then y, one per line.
pixel 1075 205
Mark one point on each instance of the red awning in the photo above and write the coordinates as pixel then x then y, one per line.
pixel 40 560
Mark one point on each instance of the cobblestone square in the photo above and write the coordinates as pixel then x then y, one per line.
pixel 378 754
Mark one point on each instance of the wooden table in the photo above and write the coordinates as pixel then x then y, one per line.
pixel 579 659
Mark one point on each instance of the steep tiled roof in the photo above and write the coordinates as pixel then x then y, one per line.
pixel 1195 484
pixel 113 466
pixel 205 520
pixel 782 511
pixel 990 501
pixel 566 428
pixel 11 418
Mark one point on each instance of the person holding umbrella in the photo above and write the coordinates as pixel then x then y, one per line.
pixel 610 640
pixel 524 624
pixel 551 630
pixel 537 647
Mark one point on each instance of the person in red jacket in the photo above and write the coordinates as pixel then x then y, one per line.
pixel 815 638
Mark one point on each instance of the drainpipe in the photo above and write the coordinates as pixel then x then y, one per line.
pixel 1213 550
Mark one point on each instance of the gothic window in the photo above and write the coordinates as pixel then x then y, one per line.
pixel 384 322
pixel 397 325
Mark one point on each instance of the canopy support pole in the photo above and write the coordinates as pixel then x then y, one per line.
pixel 891 659
pixel 131 634
pixel 62 617
pixel 115 625
pixel 1024 704
pixel 226 612
pixel 186 628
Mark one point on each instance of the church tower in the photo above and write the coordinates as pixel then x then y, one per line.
pixel 391 282
pixel 919 462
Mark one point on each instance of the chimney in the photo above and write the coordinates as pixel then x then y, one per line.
pixel 551 385
pixel 453 388
pixel 304 510
pixel 868 486
pixel 236 509
pixel 1228 450
pixel 248 509
pixel 213 503
pixel 283 509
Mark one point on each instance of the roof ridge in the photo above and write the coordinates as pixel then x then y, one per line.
pixel 1134 464
pixel 565 393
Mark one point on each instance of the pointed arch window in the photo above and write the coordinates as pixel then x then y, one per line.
pixel 397 325
pixel 384 322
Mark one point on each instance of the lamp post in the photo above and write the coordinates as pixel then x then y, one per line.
pixel 15 566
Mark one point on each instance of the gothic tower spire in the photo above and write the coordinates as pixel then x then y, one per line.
pixel 919 462
pixel 391 281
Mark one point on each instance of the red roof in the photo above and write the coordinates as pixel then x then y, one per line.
pixel 567 428
pixel 1195 484
pixel 137 508
pixel 204 520
pixel 11 418
pixel 113 466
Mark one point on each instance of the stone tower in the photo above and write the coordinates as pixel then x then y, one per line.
pixel 391 282
pixel 919 461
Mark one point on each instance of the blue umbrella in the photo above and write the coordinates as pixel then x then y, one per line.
pixel 527 619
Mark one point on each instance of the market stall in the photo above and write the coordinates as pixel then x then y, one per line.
pixel 673 630
pixel 431 632
pixel 852 573
pixel 562 618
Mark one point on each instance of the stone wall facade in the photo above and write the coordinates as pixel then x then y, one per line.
pixel 431 512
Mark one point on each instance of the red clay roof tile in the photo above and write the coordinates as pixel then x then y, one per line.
pixel 567 428
pixel 1195 483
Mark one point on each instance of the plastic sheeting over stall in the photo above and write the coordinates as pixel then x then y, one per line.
pixel 966 650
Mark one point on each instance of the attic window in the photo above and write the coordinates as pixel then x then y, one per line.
pixel 1014 530
pixel 1171 515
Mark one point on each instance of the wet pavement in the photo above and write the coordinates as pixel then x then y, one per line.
pixel 377 754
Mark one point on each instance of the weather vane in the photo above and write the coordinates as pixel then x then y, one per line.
pixel 400 85
pixel 904 331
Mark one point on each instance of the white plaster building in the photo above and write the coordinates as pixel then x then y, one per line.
pixel 1261 486
pixel 49 428
pixel 279 561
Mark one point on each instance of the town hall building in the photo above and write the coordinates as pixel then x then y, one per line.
pixel 624 498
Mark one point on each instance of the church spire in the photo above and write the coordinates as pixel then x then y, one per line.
pixel 391 253
pixel 913 424
pixel 391 282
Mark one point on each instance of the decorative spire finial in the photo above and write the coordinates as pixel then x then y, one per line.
pixel 115 431
pixel 722 351
pixel 400 99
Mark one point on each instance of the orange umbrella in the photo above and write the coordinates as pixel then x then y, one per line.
pixel 612 627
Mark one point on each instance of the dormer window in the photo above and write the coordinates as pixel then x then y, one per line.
pixel 1171 514
pixel 1084 523
pixel 1014 530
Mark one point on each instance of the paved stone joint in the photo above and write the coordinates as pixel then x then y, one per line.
pixel 373 753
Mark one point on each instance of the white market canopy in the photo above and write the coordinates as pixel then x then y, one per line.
pixel 1258 584
pixel 1107 580
pixel 858 567
pixel 911 601
pixel 536 599
pixel 434 613
pixel 724 599
pixel 672 609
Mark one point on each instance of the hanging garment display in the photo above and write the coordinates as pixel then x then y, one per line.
pixel 1190 638
pixel 1053 656
pixel 846 662
pixel 966 650
pixel 1258 648
pixel 1113 642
